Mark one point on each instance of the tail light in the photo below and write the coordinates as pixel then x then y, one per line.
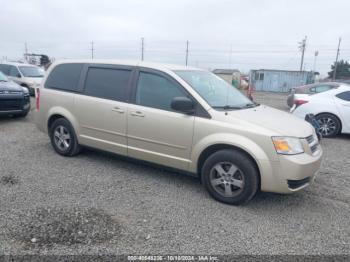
pixel 37 99
pixel 299 102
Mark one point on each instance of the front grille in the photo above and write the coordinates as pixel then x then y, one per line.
pixel 310 139
pixel 11 104
pixel 10 92
pixel 313 144
pixel 294 184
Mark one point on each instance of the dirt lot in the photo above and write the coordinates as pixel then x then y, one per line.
pixel 98 203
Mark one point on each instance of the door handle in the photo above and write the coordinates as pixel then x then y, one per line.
pixel 118 110
pixel 137 113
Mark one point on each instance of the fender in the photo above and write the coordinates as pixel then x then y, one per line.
pixel 57 110
pixel 235 140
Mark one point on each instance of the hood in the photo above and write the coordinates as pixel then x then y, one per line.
pixel 282 123
pixel 10 86
pixel 33 80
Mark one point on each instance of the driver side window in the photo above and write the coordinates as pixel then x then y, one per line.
pixel 157 91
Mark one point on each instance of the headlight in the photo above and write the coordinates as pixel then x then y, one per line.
pixel 287 145
pixel 25 90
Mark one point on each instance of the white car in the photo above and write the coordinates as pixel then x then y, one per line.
pixel 331 109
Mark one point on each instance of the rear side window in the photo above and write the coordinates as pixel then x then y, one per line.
pixel 5 69
pixel 344 96
pixel 107 83
pixel 65 77
pixel 157 91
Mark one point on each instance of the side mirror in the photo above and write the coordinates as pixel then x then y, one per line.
pixel 183 104
pixel 18 75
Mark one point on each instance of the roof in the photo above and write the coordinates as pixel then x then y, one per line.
pixel 17 64
pixel 225 71
pixel 278 70
pixel 152 65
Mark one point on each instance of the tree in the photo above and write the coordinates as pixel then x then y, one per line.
pixel 343 70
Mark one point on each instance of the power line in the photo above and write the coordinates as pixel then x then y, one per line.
pixel 336 60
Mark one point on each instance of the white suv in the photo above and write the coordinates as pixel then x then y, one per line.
pixel 29 76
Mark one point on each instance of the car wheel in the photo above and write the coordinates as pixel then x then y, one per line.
pixel 230 177
pixel 63 138
pixel 329 125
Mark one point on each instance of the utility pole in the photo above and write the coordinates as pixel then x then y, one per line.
pixel 302 48
pixel 230 57
pixel 314 68
pixel 142 47
pixel 187 52
pixel 336 60
pixel 92 50
pixel 25 51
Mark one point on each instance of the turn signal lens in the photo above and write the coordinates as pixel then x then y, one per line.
pixel 288 145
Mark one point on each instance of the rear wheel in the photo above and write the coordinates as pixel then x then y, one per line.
pixel 230 177
pixel 329 125
pixel 63 138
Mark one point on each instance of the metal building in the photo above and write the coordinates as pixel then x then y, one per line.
pixel 279 80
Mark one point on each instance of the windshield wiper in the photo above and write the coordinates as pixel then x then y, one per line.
pixel 3 80
pixel 250 105
pixel 228 107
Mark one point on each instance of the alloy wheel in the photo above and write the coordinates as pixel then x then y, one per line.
pixel 327 126
pixel 62 138
pixel 227 179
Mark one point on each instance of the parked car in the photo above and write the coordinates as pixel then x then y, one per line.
pixel 179 117
pixel 303 91
pixel 14 99
pixel 331 109
pixel 25 75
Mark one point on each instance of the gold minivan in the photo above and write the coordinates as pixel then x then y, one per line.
pixel 184 118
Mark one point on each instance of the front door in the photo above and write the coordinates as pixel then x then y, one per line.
pixel 156 133
pixel 101 109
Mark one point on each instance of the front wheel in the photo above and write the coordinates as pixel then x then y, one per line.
pixel 63 138
pixel 230 177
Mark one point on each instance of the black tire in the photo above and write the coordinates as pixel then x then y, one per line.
pixel 246 172
pixel 71 147
pixel 330 125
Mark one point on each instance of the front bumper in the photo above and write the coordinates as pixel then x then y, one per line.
pixel 291 173
pixel 11 104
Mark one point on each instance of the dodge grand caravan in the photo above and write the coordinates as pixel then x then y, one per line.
pixel 183 118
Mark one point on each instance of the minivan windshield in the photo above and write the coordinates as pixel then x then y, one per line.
pixel 31 71
pixel 214 90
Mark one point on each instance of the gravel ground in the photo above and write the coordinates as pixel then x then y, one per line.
pixel 97 203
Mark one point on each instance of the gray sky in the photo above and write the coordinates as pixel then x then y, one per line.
pixel 260 33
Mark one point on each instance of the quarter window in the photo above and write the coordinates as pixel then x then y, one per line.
pixel 107 83
pixel 65 77
pixel 14 71
pixel 157 91
pixel 344 96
